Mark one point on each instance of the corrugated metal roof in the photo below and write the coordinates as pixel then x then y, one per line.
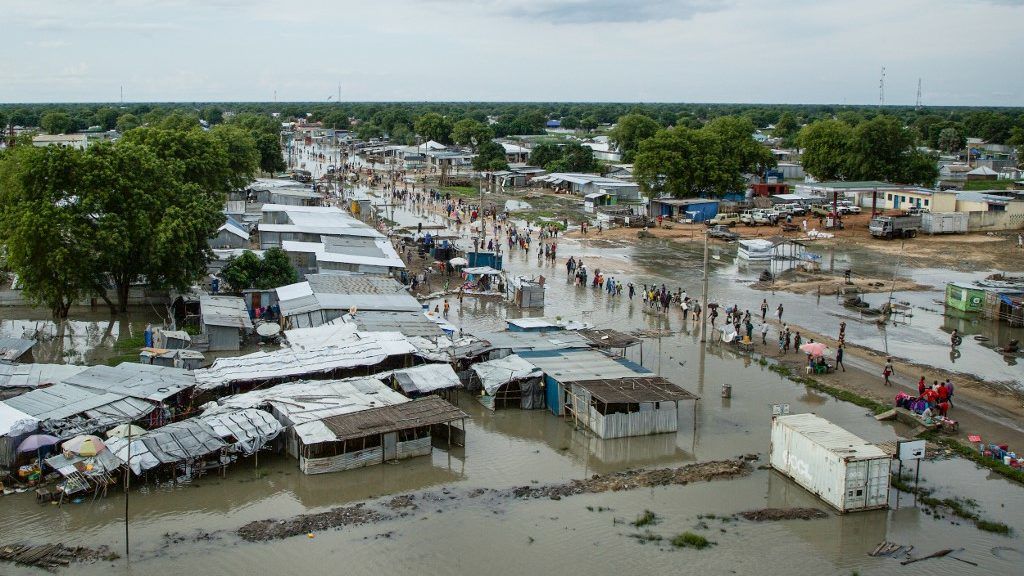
pixel 226 311
pixel 35 375
pixel 12 348
pixel 304 405
pixel 408 323
pixel 136 380
pixel 580 365
pixel 294 362
pixel 420 412
pixel 634 390
pixel 521 341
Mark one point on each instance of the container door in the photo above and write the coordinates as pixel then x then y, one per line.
pixel 856 485
pixel 878 483
pixel 390 446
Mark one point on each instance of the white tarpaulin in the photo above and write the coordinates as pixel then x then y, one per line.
pixel 247 430
pixel 496 373
pixel 14 422
pixel 426 378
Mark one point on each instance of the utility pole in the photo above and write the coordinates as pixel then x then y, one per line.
pixel 917 106
pixel 704 295
pixel 127 491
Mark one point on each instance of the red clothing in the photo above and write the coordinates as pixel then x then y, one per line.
pixel 930 396
pixel 943 408
pixel 943 393
pixel 921 386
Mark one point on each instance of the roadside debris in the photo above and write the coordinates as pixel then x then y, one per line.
pixel 53 556
pixel 773 514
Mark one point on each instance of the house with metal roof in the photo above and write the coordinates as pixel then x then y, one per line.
pixel 336 425
pixel 280 223
pixel 627 406
pixel 325 297
pixel 225 321
pixel 231 234
pixel 16 350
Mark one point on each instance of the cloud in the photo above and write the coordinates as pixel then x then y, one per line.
pixel 594 11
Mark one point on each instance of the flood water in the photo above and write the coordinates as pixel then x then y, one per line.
pixel 515 448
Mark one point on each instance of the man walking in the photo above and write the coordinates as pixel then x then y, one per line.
pixel 839 359
pixel 764 333
pixel 779 311
pixel 888 371
pixel 764 309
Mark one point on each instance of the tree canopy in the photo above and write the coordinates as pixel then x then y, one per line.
pixel 433 126
pixel 250 271
pixel 141 209
pixel 630 130
pixel 709 162
pixel 877 149
pixel 56 123
pixel 470 132
pixel 490 156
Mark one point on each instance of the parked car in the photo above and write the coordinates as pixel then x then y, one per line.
pixel 725 219
pixel 722 232
pixel 822 210
pixel 754 217
pixel 794 208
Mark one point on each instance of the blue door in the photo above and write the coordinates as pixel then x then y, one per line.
pixel 895 200
pixel 553 395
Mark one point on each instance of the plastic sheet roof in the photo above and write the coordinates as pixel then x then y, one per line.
pixel 442 349
pixel 246 430
pixel 426 378
pixel 521 341
pixel 186 440
pixel 227 311
pixel 494 374
pixel 65 410
pixel 407 323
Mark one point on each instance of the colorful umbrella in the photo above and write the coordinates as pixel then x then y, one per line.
pixel 458 261
pixel 37 441
pixel 814 348
pixel 85 445
pixel 125 430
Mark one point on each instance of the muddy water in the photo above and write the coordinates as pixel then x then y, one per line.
pixel 514 448
pixel 86 337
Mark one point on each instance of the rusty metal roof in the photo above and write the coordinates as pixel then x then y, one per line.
pixel 634 390
pixel 421 412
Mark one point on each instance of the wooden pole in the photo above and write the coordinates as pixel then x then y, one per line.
pixel 127 491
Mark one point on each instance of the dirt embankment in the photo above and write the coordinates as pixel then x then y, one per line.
pixel 774 514
pixel 824 283
pixel 362 513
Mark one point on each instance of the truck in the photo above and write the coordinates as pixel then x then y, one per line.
pixel 725 219
pixel 890 227
pixel 845 471
pixel 755 217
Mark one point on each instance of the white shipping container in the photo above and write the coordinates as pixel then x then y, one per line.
pixel 944 222
pixel 835 465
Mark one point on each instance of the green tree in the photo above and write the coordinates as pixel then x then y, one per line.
pixel 630 130
pixel 46 232
pixel 545 154
pixel 433 126
pixel 589 122
pixel 368 131
pixel 56 123
pixel 250 271
pixel 738 147
pixel 106 117
pixel 950 140
pixel 126 122
pixel 242 153
pixel 490 156
pixel 3 122
pixel 265 132
pixel 680 162
pixel 884 149
pixel 575 157
pixel 469 132
pixel 212 115
pixel 178 121
pixel 786 126
pixel 570 122
pixel 826 145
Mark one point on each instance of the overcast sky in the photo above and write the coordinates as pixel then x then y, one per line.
pixel 967 52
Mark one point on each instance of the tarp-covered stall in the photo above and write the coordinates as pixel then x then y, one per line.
pixel 510 382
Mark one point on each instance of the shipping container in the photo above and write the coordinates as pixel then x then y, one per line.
pixel 835 465
pixel 944 222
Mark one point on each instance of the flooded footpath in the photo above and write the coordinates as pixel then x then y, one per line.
pixel 473 510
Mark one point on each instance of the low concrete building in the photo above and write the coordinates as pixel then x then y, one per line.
pixel 695 209
pixel 326 297
pixel 79 141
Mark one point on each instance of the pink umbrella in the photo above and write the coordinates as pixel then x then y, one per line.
pixel 815 349
pixel 36 442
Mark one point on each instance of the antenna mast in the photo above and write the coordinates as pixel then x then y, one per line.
pixel 918 105
pixel 881 89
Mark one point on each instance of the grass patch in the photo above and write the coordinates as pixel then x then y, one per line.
pixel 988 185
pixel 648 518
pixel 995 527
pixel 464 191
pixel 690 540
pixel 647 536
